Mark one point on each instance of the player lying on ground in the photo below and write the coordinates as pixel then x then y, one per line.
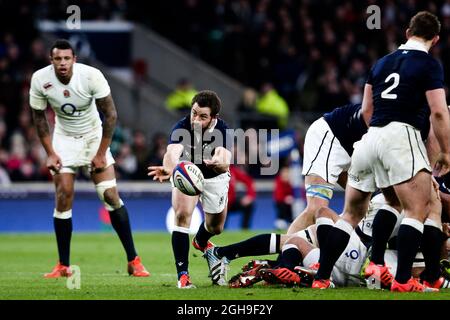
pixel 350 267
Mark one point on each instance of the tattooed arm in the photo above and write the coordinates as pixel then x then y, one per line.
pixel 43 131
pixel 108 109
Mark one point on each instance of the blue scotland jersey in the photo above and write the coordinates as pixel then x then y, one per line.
pixel 399 81
pixel 196 149
pixel 347 125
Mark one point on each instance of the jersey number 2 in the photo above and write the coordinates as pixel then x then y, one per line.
pixel 385 94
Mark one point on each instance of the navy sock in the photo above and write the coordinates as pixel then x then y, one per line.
pixel 258 245
pixel 121 223
pixel 383 225
pixel 408 242
pixel 290 257
pixel 431 250
pixel 322 232
pixel 180 247
pixel 63 232
pixel 203 235
pixel 335 244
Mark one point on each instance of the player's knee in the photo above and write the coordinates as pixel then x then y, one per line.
pixel 111 197
pixel 107 193
pixel 182 218
pixel 323 212
pixel 64 196
pixel 216 229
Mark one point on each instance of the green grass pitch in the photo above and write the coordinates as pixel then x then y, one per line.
pixel 25 257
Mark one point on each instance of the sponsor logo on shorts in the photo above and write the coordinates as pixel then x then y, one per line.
pixel 353 177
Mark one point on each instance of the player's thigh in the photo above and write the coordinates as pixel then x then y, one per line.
pixel 107 174
pixel 64 184
pixel 356 205
pixel 182 204
pixel 435 206
pixel 415 195
pixel 391 198
pixel 216 221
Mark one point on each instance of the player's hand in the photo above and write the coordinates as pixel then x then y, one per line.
pixel 435 186
pixel 159 173
pixel 442 165
pixel 98 163
pixel 54 163
pixel 216 165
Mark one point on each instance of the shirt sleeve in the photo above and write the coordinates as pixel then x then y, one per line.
pixel 178 133
pixel 434 78
pixel 37 99
pixel 99 86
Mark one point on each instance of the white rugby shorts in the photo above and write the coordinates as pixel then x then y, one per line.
pixel 387 156
pixel 323 154
pixel 214 197
pixel 78 151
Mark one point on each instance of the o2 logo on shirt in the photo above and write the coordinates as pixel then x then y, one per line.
pixel 353 254
pixel 69 109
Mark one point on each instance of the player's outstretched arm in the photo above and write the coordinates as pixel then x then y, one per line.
pixel 221 160
pixel 367 104
pixel 170 160
pixel 43 131
pixel 108 109
pixel 440 122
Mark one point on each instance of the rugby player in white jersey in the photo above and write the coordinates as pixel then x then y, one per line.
pixel 80 139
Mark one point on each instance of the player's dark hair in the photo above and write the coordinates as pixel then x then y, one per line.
pixel 61 44
pixel 424 25
pixel 210 99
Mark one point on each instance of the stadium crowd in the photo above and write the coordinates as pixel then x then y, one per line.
pixel 315 58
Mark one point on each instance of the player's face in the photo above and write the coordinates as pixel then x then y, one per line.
pixel 201 116
pixel 63 60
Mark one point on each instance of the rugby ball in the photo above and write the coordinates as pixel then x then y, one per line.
pixel 188 178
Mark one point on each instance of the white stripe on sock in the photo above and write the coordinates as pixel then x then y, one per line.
pixel 344 226
pixel 62 215
pixel 273 243
pixel 181 229
pixel 324 221
pixel 416 224
pixel 432 223
pixel 289 246
pixel 390 209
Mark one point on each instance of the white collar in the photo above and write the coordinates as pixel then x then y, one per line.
pixel 412 44
pixel 210 130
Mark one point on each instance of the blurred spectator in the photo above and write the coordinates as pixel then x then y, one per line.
pixel 247 109
pixel 158 149
pixel 141 151
pixel 126 162
pixel 283 195
pixel 180 99
pixel 272 104
pixel 237 203
pixel 315 53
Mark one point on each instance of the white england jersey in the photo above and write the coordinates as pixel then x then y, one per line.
pixel 74 103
